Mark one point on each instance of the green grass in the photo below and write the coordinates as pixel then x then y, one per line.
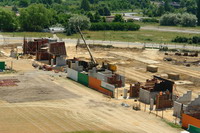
pixel 27 34
pixel 144 36
pixel 172 124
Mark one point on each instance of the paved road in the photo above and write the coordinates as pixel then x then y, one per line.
pixel 19 40
pixel 169 29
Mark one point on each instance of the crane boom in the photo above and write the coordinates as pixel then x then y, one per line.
pixel 88 48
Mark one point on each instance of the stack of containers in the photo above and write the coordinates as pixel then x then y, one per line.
pixel 95 80
pixel 96 84
pixel 83 79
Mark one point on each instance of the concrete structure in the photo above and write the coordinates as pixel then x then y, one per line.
pixel 60 61
pixel 152 68
pixel 173 76
pixel 180 102
pixel 193 106
pixel 145 96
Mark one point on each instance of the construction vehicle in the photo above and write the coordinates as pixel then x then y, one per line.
pixel 109 66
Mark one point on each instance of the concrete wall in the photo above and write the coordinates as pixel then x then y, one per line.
pixel 185 98
pixel 177 109
pixel 145 96
pixel 181 104
pixel 195 102
pixel 60 61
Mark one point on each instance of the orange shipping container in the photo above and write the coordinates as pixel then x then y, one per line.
pixel 96 84
pixel 186 120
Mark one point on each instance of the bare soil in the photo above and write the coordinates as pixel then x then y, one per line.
pixel 45 102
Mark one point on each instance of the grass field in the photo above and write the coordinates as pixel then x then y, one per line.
pixel 144 36
pixel 131 36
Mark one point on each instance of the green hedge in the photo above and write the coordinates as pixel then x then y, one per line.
pixel 114 26
pixel 190 40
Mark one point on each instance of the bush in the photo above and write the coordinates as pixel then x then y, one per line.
pixel 194 39
pixel 114 26
pixel 170 19
pixel 150 20
pixel 188 20
pixel 184 19
pixel 180 39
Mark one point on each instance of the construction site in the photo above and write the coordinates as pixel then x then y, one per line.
pixel 49 85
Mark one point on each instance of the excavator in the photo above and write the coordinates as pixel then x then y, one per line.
pixel 93 62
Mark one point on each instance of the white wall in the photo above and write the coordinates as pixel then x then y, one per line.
pixel 72 74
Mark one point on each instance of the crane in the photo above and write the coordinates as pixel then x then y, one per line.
pixel 93 61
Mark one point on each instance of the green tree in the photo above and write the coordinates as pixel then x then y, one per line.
pixel 14 8
pixel 85 5
pixel 118 18
pixel 82 21
pixel 49 2
pixel 106 11
pixel 35 18
pixel 90 16
pixel 8 21
pixel 97 17
pixel 23 3
pixel 167 6
pixel 58 1
pixel 160 11
pixel 198 11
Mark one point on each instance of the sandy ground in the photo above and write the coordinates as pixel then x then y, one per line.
pixel 45 102
pixel 49 102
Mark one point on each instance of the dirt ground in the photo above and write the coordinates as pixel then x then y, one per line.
pixel 49 102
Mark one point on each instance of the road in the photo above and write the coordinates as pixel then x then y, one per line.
pixel 170 29
pixel 19 40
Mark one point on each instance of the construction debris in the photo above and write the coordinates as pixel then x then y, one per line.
pixel 8 82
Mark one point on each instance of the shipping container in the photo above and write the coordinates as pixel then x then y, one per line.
pixel 107 86
pixel 96 84
pixel 83 79
pixel 72 74
pixel 2 65
pixel 189 120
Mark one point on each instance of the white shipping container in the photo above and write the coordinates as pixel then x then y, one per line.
pixel 108 86
pixel 72 74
